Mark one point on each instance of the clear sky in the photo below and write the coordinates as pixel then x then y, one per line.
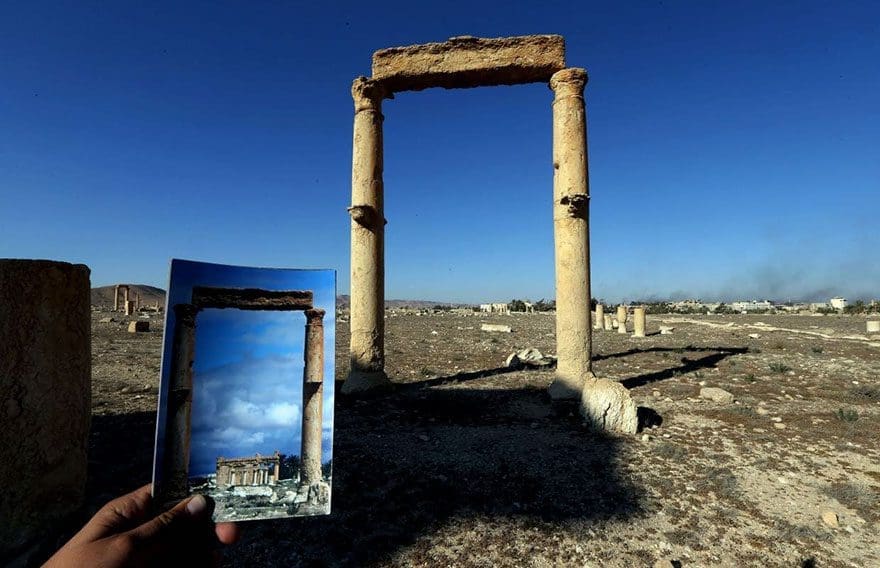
pixel 248 368
pixel 733 145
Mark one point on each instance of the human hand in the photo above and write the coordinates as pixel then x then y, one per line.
pixel 123 533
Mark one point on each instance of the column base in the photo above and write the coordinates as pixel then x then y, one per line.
pixel 567 388
pixel 361 381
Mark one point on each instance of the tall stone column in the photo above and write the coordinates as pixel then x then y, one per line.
pixel 173 485
pixel 116 298
pixel 125 295
pixel 313 397
pixel 638 322
pixel 621 319
pixel 571 206
pixel 600 317
pixel 367 347
pixel 45 401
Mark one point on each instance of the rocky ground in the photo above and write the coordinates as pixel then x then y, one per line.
pixel 466 463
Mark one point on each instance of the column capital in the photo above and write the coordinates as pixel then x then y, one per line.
pixel 368 94
pixel 315 316
pixel 185 314
pixel 568 82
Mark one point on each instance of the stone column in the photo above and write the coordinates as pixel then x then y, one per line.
pixel 137 302
pixel 600 317
pixel 173 484
pixel 116 298
pixel 313 396
pixel 129 307
pixel 277 471
pixel 45 400
pixel 367 347
pixel 638 322
pixel 608 322
pixel 621 319
pixel 571 195
pixel 125 295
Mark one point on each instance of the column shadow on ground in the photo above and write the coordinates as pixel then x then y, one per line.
pixel 410 461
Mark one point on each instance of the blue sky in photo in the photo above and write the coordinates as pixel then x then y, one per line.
pixel 248 369
pixel 733 145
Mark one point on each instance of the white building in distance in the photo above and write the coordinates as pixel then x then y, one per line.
pixel 837 303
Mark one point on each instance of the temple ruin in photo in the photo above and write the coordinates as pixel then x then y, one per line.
pixel 174 482
pixel 464 62
pixel 256 470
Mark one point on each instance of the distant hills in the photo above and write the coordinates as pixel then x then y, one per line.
pixel 103 296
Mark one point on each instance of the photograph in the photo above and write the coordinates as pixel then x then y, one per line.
pixel 246 393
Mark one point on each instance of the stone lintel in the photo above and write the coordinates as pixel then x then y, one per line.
pixel 251 298
pixel 466 61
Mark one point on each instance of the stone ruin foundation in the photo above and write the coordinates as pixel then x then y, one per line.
pixel 45 387
pixel 173 483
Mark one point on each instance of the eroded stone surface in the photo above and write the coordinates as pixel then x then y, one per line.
pixel 45 383
pixel 607 405
pixel 470 62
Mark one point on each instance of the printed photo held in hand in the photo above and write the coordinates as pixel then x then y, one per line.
pixel 246 396
pixel 125 532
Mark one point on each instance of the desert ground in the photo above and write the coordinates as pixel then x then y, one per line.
pixel 464 462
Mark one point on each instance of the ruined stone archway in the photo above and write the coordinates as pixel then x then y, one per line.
pixel 173 483
pixel 465 62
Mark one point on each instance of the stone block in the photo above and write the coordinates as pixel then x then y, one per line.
pixel 607 405
pixel 45 389
pixel 465 61
pixel 138 326
pixel 497 328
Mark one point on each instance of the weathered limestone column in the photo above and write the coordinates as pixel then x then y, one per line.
pixel 45 393
pixel 571 200
pixel 621 319
pixel 137 302
pixel 129 307
pixel 600 317
pixel 367 347
pixel 277 470
pixel 638 322
pixel 125 295
pixel 608 322
pixel 313 396
pixel 116 298
pixel 173 485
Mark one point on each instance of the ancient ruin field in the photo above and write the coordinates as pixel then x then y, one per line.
pixel 467 463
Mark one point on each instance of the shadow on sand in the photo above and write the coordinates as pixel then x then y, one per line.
pixel 413 458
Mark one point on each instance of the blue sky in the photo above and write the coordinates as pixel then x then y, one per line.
pixel 733 145
pixel 248 369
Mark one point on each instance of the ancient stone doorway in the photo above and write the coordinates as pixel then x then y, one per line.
pixel 173 484
pixel 465 62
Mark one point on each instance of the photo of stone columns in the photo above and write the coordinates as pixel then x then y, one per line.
pixel 246 396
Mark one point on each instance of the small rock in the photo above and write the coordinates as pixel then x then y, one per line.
pixel 664 563
pixel 423 438
pixel 762 411
pixel 106 320
pixel 607 405
pixel 666 330
pixel 755 335
pixel 716 395
pixel 433 333
pixel 830 518
pixel 646 438
pixel 138 326
pixel 779 426
pixel 656 394
pixel 776 419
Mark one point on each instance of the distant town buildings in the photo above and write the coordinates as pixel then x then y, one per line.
pixel 838 303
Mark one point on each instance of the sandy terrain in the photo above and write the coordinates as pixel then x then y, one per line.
pixel 464 463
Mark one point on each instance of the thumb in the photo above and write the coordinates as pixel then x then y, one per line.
pixel 194 508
